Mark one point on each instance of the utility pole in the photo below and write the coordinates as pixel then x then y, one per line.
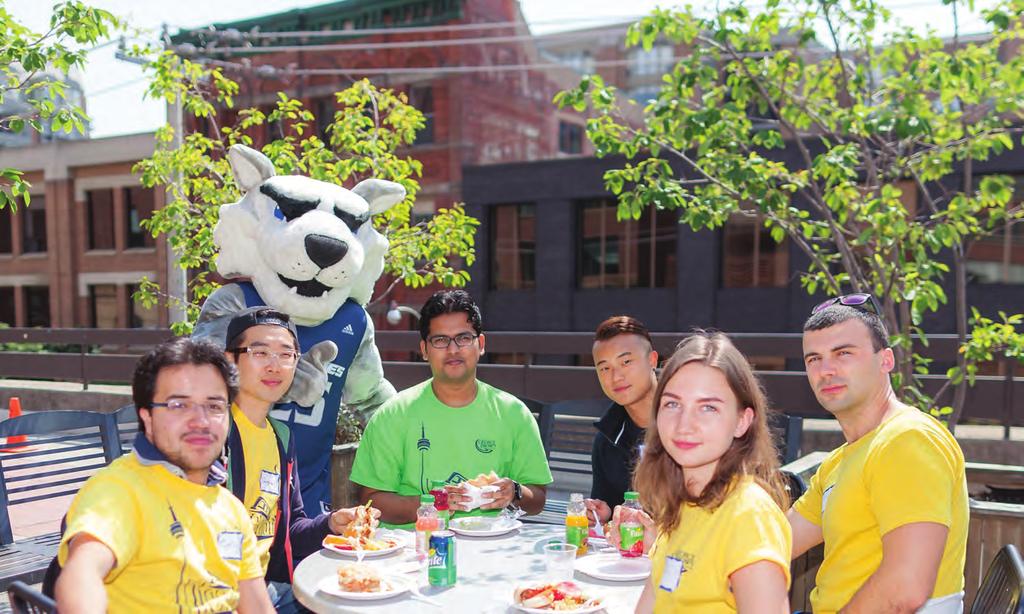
pixel 177 277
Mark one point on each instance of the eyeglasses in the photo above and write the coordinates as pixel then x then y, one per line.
pixel 441 342
pixel 212 408
pixel 859 300
pixel 287 358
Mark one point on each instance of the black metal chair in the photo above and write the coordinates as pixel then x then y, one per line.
pixel 1001 590
pixel 26 600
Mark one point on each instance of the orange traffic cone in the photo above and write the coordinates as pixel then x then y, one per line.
pixel 14 410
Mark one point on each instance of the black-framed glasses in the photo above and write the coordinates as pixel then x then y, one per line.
pixel 262 355
pixel 858 300
pixel 441 342
pixel 212 408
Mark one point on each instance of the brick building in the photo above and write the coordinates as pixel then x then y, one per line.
pixel 74 256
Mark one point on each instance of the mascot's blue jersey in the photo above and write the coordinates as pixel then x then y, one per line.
pixel 313 427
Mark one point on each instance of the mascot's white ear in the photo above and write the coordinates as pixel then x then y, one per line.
pixel 250 167
pixel 381 195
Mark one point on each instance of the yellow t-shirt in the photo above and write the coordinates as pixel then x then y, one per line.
pixel 908 469
pixel 180 547
pixel 707 546
pixel 262 479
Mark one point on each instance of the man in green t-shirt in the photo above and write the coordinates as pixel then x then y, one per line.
pixel 451 428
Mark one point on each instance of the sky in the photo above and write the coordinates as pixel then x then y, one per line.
pixel 115 89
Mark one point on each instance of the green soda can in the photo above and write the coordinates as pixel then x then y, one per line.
pixel 441 569
pixel 631 532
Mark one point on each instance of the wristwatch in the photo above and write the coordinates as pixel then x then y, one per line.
pixel 519 491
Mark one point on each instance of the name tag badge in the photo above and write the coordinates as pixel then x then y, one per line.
pixel 824 499
pixel 671 574
pixel 229 545
pixel 270 482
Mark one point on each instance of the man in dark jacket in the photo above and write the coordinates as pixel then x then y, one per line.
pixel 625 360
pixel 263 344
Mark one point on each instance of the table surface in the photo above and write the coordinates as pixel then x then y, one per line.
pixel 488 571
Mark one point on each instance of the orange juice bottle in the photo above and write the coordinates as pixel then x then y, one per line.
pixel 427 522
pixel 576 528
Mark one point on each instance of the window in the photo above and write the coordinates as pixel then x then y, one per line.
pixel 999 257
pixel 422 97
pixel 7 305
pixel 138 206
pixel 654 62
pixel 37 305
pixel 751 258
pixel 33 227
pixel 140 316
pixel 325 109
pixel 513 247
pixel 103 305
pixel 99 213
pixel 5 231
pixel 628 253
pixel 570 138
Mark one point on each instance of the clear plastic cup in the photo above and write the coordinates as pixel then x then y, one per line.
pixel 560 559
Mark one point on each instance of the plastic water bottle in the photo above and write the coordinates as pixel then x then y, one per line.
pixel 427 521
pixel 631 532
pixel 576 524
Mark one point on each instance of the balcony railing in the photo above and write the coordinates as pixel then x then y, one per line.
pixel 109 356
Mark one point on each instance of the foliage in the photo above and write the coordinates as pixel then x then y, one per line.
pixel 32 66
pixel 368 129
pixel 350 429
pixel 827 147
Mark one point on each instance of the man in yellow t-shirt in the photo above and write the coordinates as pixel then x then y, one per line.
pixel 891 503
pixel 262 472
pixel 154 531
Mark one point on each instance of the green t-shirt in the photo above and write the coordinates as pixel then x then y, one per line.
pixel 415 438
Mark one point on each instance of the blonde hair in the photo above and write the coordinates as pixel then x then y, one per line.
pixel 660 480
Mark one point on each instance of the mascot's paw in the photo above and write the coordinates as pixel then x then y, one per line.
pixel 311 374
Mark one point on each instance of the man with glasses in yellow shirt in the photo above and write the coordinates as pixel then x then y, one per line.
pixel 262 471
pixel 154 531
pixel 890 504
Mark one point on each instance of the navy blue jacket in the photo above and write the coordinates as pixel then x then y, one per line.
pixel 296 536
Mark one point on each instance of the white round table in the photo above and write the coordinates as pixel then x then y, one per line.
pixel 488 571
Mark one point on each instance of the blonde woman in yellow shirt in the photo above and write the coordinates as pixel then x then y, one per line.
pixel 709 479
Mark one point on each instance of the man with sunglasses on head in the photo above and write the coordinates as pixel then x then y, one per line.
pixel 154 531
pixel 262 468
pixel 451 428
pixel 890 504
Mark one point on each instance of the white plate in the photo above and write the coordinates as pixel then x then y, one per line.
pixel 455 526
pixel 401 536
pixel 590 608
pixel 614 567
pixel 396 586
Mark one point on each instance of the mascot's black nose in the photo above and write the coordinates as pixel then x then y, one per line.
pixel 324 250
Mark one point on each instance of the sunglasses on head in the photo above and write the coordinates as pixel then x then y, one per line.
pixel 860 300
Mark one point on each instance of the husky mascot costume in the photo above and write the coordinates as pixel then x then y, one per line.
pixel 310 251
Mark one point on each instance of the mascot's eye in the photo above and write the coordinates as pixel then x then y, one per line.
pixel 288 207
pixel 352 221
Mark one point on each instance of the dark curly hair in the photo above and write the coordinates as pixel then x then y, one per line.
pixel 450 301
pixel 179 351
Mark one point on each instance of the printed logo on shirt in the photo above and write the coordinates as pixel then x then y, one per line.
pixel 175 528
pixel 262 523
pixel 456 478
pixel 348 330
pixel 485 446
pixel 229 545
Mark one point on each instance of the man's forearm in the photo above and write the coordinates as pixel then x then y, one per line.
pixel 394 508
pixel 533 499
pixel 879 595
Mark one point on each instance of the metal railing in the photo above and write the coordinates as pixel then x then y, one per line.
pixel 109 355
